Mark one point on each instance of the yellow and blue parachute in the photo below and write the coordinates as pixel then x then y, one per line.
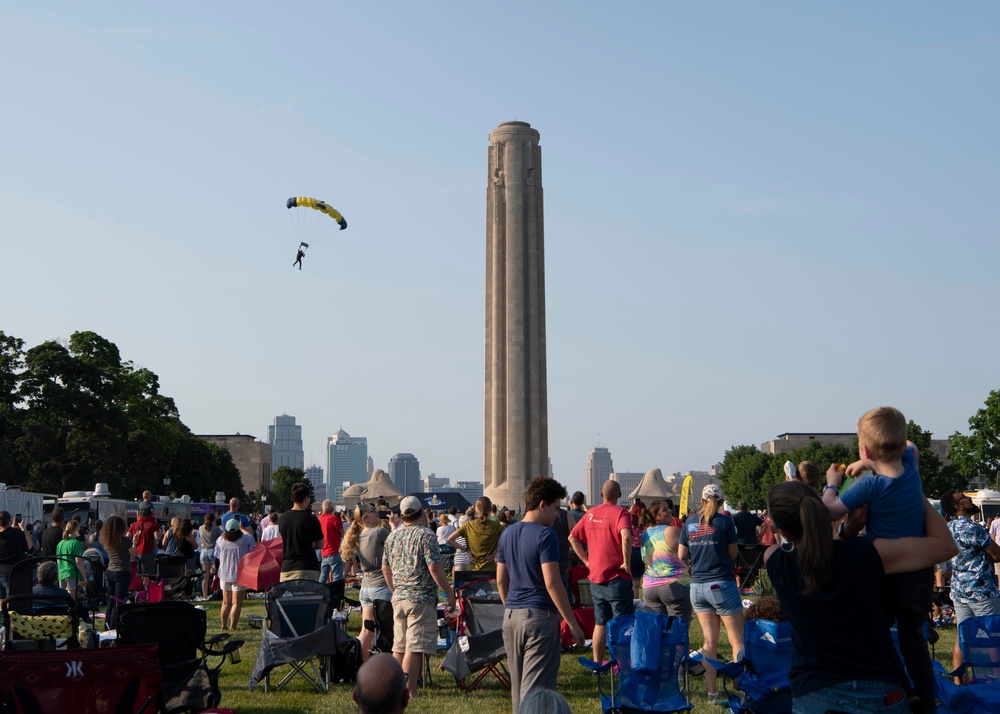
pixel 318 205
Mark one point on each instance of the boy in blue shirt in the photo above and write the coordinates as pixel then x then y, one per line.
pixel 895 499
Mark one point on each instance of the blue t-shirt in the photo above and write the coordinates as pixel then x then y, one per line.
pixel 244 521
pixel 522 549
pixel 709 545
pixel 895 505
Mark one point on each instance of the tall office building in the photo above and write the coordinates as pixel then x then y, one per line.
pixel 599 470
pixel 346 463
pixel 285 438
pixel 404 470
pixel 315 475
pixel 515 428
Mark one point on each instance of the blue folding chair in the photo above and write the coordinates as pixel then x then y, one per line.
pixel 979 642
pixel 647 652
pixel 760 675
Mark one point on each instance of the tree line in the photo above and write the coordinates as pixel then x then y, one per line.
pixel 748 473
pixel 75 414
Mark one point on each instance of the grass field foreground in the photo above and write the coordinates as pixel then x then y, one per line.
pixel 442 696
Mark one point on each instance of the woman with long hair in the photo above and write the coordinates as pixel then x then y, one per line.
pixel 708 542
pixel 362 548
pixel 481 537
pixel 828 587
pixel 115 539
pixel 230 550
pixel 208 533
pixel 169 541
pixel 664 589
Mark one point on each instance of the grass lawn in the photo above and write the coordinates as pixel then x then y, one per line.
pixel 442 697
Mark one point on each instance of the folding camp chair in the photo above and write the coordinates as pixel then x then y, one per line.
pixel 647 650
pixel 179 630
pixel 760 677
pixel 298 632
pixel 97 681
pixel 979 642
pixel 478 648
pixel 40 622
pixel 172 575
pixel 749 562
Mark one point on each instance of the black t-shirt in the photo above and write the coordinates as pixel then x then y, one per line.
pixel 839 632
pixel 299 530
pixel 746 527
pixel 50 539
pixel 13 547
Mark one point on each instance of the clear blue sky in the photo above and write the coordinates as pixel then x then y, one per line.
pixel 759 218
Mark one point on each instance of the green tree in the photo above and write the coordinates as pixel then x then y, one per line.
pixel 11 417
pixel 282 481
pixel 743 476
pixel 978 453
pixel 936 476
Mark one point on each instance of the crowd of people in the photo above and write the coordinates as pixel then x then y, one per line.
pixel 837 562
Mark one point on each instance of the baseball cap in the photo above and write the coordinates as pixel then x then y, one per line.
pixel 233 524
pixel 712 491
pixel 410 506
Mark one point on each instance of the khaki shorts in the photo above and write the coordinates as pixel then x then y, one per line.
pixel 414 627
pixel 232 587
pixel 300 575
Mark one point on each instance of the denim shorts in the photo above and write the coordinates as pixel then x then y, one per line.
pixel 721 597
pixel 368 596
pixel 612 599
pixel 853 696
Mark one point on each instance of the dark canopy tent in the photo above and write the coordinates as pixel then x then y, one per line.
pixel 442 500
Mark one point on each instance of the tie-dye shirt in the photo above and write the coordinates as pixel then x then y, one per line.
pixel 662 564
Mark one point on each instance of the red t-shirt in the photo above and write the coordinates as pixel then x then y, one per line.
pixel 144 535
pixel 333 531
pixel 600 530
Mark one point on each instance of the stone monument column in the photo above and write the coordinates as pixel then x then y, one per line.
pixel 516 438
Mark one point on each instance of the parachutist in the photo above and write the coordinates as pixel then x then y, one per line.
pixel 299 255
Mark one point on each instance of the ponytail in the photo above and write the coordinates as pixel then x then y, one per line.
pixel 815 548
pixel 709 508
pixel 796 509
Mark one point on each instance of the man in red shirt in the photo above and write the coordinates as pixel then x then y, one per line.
pixel 602 539
pixel 331 568
pixel 144 534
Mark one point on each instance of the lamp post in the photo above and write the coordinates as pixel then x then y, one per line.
pixel 166 486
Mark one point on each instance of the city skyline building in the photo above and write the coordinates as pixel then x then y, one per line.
pixel 346 463
pixel 404 472
pixel 515 424
pixel 251 457
pixel 628 481
pixel 285 438
pixel 599 469
pixel 433 482
pixel 470 490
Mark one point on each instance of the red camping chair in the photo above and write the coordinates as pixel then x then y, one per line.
pixel 95 681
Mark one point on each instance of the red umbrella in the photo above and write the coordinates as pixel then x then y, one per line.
pixel 261 567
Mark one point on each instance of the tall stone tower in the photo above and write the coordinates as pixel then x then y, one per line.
pixel 516 443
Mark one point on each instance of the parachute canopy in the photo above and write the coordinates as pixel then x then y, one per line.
pixel 316 204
